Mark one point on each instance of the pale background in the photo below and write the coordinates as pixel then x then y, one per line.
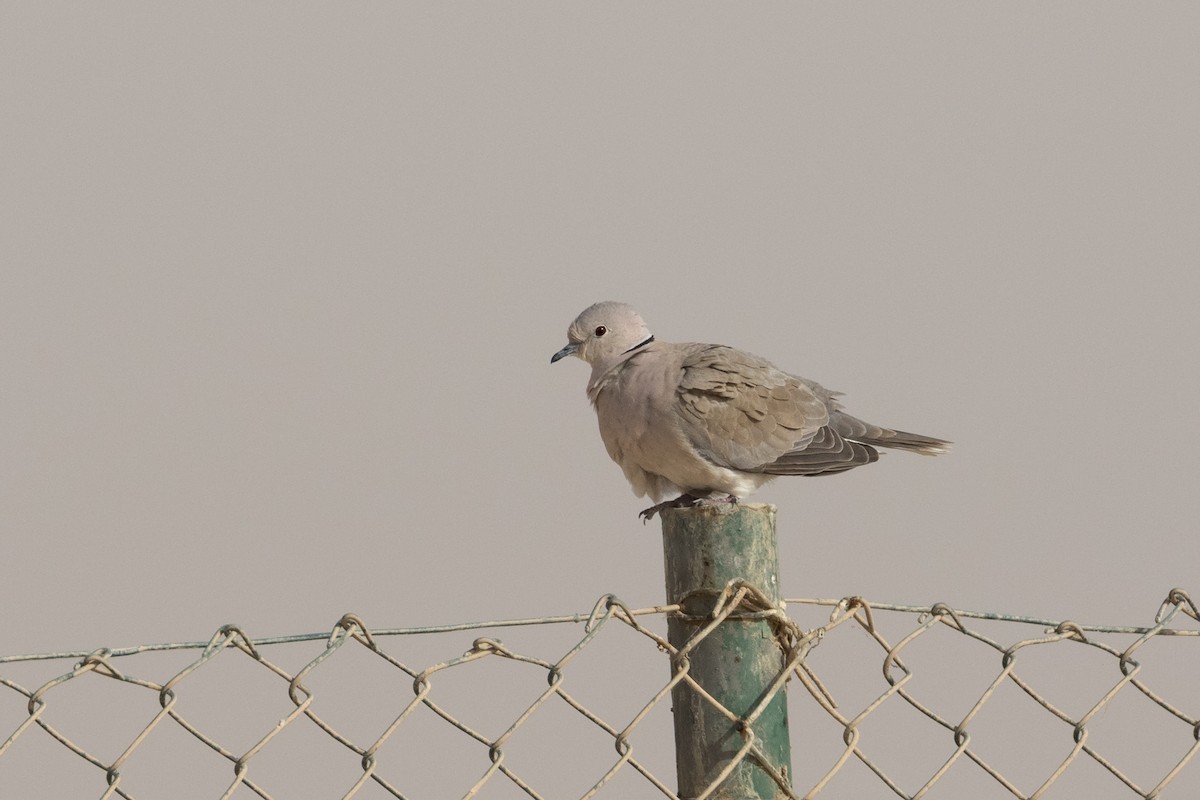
pixel 280 284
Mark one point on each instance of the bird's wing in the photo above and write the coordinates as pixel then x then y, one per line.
pixel 826 454
pixel 741 412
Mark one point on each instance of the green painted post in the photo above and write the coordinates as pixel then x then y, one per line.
pixel 705 548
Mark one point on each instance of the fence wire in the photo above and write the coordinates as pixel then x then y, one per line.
pixel 813 661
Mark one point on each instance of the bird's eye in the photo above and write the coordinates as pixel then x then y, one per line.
pixel 601 330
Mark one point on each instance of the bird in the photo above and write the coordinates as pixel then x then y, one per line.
pixel 709 422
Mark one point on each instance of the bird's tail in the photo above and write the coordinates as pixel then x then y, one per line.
pixel 912 442
pixel 856 430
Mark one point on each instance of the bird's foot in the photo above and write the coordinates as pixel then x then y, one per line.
pixel 720 500
pixel 683 501
pixel 687 501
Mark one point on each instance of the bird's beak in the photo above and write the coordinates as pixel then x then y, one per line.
pixel 569 350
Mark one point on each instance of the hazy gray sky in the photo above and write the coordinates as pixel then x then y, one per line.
pixel 281 283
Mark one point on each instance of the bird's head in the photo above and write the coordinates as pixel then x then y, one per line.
pixel 604 332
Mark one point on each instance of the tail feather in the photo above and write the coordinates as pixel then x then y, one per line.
pixel 856 430
pixel 912 442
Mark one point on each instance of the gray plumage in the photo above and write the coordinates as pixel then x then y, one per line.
pixel 704 420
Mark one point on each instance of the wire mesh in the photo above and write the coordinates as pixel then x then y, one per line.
pixel 856 692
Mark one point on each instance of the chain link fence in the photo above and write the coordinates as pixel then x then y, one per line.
pixel 884 701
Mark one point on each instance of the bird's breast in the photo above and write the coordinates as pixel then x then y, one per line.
pixel 637 423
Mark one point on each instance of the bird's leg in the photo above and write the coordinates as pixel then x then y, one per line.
pixel 686 500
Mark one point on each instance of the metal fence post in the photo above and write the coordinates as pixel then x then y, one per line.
pixel 705 548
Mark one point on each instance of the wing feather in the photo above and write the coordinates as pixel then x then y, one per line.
pixel 741 412
pixel 827 453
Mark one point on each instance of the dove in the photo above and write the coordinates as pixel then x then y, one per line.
pixel 711 423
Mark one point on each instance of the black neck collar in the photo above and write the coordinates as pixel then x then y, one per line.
pixel 640 345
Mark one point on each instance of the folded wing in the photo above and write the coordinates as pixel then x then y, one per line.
pixel 741 412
